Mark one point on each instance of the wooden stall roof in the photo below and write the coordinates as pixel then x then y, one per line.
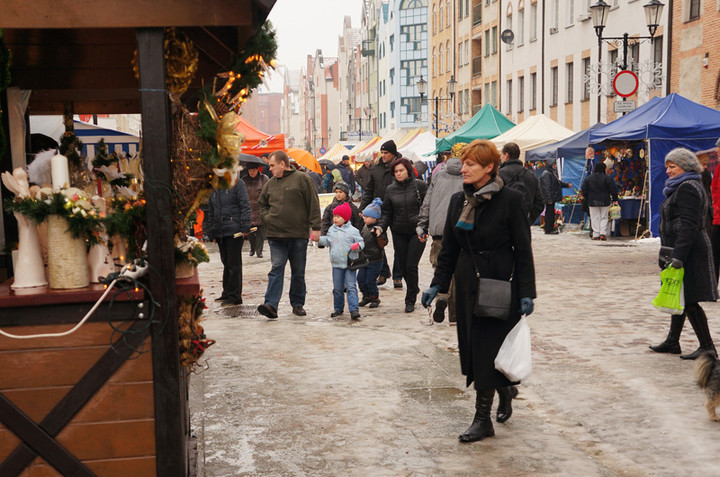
pixel 76 54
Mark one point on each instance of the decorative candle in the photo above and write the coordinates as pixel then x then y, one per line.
pixel 60 172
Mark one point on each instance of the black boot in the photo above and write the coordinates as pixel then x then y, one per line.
pixel 505 397
pixel 481 426
pixel 698 320
pixel 672 343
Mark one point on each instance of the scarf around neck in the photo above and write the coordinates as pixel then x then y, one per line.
pixel 674 182
pixel 472 201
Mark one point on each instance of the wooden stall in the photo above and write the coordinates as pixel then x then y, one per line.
pixel 89 403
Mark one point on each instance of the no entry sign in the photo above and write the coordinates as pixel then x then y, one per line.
pixel 625 83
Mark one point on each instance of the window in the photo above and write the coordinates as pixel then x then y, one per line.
pixel 487 92
pixel 467 52
pixel 460 54
pixel 509 97
pixel 494 39
pixel 487 43
pixel 657 50
pixel 467 8
pixel 571 12
pixel 448 56
pixel 521 94
pixel 533 91
pixel 434 19
pixel 392 109
pixel 634 58
pixel 533 21
pixel 460 9
pixel 694 10
pixel 521 27
pixel 392 42
pixel 440 60
pixel 555 16
pixel 569 69
pixel 494 94
pixel 509 25
pixel 440 19
pixel 554 79
pixel 586 83
pixel 434 67
pixel 392 76
pixel 448 14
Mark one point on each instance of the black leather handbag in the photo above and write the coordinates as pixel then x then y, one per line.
pixel 494 297
pixel 359 262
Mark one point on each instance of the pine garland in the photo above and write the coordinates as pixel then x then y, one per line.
pixel 126 218
pixel 69 142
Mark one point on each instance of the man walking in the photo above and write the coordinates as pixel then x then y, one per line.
pixel 515 176
pixel 255 181
pixel 551 188
pixel 362 174
pixel 289 208
pixel 347 173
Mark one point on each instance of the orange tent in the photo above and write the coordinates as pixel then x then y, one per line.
pixel 304 158
pixel 257 142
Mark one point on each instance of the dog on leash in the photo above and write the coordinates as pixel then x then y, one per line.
pixel 707 373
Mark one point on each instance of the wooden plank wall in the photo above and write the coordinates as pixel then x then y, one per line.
pixel 114 433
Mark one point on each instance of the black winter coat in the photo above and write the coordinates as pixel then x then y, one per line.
pixel 512 170
pixel 502 232
pixel 682 227
pixel 372 249
pixel 599 190
pixel 380 178
pixel 362 176
pixel 228 212
pixel 401 206
pixel 327 218
pixel 348 176
pixel 551 186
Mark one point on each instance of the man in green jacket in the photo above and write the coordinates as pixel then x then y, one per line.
pixel 290 209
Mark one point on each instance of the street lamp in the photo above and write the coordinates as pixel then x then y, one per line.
pixel 422 89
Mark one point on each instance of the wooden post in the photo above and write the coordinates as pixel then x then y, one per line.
pixel 170 399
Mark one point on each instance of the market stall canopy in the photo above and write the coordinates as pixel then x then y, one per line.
pixel 335 153
pixel 664 123
pixel 89 134
pixel 258 142
pixel 420 145
pixel 78 55
pixel 364 148
pixel 486 124
pixel 535 131
pixel 305 159
pixel 408 138
pixel 571 147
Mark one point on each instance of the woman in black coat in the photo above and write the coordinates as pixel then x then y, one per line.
pixel 400 212
pixel 599 190
pixel 682 227
pixel 485 225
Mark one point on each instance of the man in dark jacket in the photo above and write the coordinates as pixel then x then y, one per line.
pixel 551 188
pixel 599 190
pixel 514 175
pixel 289 208
pixel 254 180
pixel 228 222
pixel 348 176
pixel 362 174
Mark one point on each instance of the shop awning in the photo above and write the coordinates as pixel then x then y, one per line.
pixel 258 142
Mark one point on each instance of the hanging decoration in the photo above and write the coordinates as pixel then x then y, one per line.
pixel 181 61
pixel 192 339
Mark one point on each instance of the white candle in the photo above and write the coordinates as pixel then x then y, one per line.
pixel 60 172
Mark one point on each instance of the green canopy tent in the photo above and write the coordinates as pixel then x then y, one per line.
pixel 486 124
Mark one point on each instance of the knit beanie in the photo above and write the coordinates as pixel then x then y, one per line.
pixel 685 159
pixel 343 187
pixel 373 209
pixel 390 147
pixel 344 211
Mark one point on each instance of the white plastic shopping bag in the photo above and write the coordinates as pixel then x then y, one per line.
pixel 514 359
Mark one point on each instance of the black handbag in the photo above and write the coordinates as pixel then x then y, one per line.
pixel 360 261
pixel 665 256
pixel 494 297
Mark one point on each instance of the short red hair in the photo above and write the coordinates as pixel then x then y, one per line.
pixel 483 152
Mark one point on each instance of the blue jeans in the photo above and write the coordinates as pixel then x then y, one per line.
pixel 367 279
pixel 282 250
pixel 344 278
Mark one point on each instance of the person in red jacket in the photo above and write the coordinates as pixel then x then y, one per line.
pixel 715 230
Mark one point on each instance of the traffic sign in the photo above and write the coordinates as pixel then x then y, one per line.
pixel 323 150
pixel 624 106
pixel 625 83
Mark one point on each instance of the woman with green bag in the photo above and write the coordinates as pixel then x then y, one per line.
pixel 682 228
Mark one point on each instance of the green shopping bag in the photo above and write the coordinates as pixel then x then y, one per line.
pixel 671 297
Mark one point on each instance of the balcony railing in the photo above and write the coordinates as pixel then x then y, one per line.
pixel 477 14
pixel 477 66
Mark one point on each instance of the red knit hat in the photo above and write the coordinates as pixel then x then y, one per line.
pixel 344 211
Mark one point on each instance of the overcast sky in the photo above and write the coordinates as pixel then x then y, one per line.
pixel 303 26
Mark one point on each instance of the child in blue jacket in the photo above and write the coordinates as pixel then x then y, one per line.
pixel 343 239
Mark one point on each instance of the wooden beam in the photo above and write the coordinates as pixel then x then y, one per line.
pixel 170 427
pixel 126 14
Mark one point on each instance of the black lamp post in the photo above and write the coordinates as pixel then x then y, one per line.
pixel 422 89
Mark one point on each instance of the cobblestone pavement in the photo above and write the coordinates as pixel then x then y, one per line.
pixel 318 396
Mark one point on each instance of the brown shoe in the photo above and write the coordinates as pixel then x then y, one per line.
pixel 397 283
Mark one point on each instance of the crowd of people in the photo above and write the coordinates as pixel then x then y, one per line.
pixel 477 209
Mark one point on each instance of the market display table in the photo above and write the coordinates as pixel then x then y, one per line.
pixel 630 207
pixel 572 213
pixel 80 404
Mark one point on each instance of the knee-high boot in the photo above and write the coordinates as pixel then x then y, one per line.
pixel 505 397
pixel 698 320
pixel 481 426
pixel 672 343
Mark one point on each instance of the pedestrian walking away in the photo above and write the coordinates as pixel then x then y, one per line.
pixel 290 209
pixel 682 228
pixel 344 241
pixel 599 190
pixel 487 225
pixel 227 223
pixel 400 212
pixel 255 181
pixel 516 176
pixel 551 188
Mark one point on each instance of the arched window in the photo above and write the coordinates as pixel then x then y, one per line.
pixel 434 19
pixel 440 19
pixel 412 4
pixel 440 60
pixel 448 56
pixel 434 68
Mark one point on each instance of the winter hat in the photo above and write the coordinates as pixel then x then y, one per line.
pixel 373 209
pixel 685 159
pixel 343 187
pixel 345 158
pixel 390 147
pixel 344 211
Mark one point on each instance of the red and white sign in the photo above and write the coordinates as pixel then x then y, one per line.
pixel 625 83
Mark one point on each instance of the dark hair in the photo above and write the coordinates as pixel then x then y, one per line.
pixel 401 161
pixel 512 150
pixel 483 152
pixel 280 156
pixel 600 168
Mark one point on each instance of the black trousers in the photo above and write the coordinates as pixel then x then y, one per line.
pixel 385 270
pixel 231 257
pixel 408 250
pixel 257 239
pixel 549 217
pixel 715 242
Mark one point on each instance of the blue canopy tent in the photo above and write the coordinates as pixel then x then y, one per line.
pixel 664 123
pixel 569 152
